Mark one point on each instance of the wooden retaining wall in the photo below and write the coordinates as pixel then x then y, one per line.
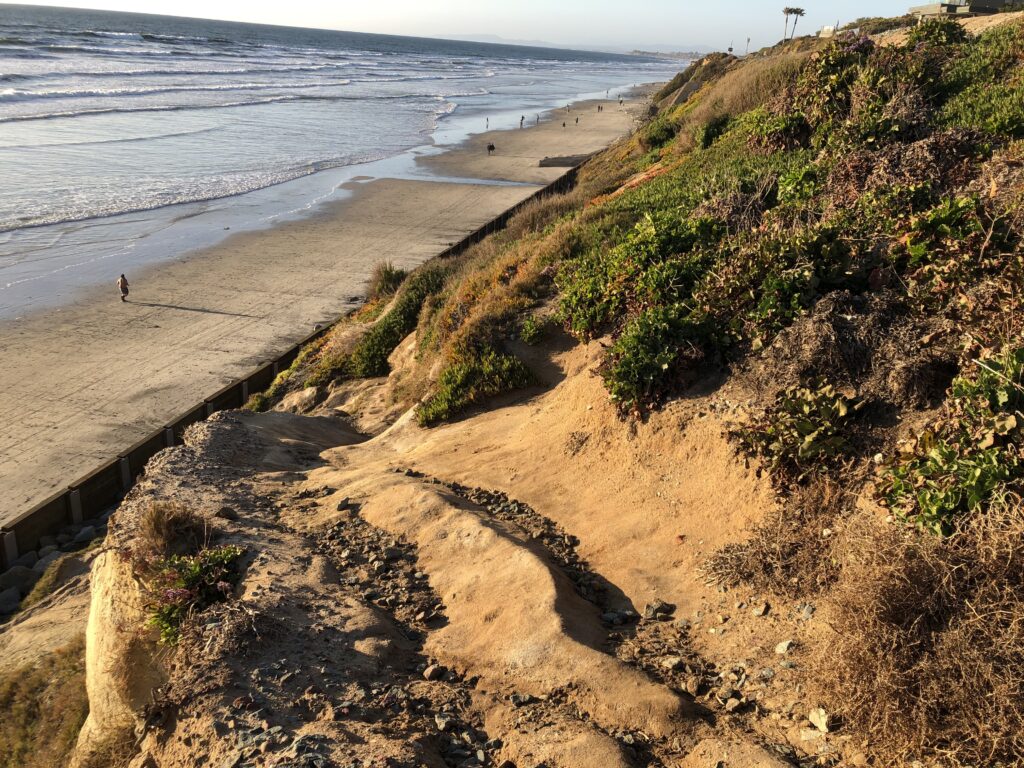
pixel 89 496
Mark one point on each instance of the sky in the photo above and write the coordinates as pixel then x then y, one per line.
pixel 622 24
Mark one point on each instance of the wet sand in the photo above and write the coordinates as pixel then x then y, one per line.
pixel 84 382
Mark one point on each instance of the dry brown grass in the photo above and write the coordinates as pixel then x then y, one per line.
pixel 745 86
pixel 42 709
pixel 115 752
pixel 168 528
pixel 789 553
pixel 385 279
pixel 926 656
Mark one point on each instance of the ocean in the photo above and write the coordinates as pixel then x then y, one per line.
pixel 107 118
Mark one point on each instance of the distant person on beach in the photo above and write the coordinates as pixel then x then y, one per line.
pixel 488 123
pixel 563 124
pixel 538 119
pixel 522 120
pixel 122 287
pixel 490 149
pixel 577 120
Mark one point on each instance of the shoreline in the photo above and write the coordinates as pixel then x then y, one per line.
pixel 116 372
pixel 79 255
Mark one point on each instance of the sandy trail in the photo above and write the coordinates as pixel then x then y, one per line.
pixel 89 380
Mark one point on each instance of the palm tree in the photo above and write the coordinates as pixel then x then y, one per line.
pixel 796 13
pixel 785 31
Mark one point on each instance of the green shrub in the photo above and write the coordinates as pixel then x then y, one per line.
pixel 369 358
pixel 803 432
pixel 959 465
pixel 657 133
pixel 938 31
pixel 532 329
pixel 182 585
pixel 645 358
pixel 774 132
pixel 470 380
pixel 709 132
pixel 948 223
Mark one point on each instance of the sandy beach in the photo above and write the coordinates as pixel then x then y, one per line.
pixel 88 380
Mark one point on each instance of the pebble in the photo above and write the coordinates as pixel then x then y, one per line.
pixel 819 719
pixel 659 609
pixel 761 610
pixel 434 672
pixel 784 647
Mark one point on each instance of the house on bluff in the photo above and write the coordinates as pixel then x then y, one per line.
pixel 959 8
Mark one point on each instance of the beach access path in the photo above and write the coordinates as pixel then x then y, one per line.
pixel 82 383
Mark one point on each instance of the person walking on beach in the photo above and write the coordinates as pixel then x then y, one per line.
pixel 122 287
pixel 522 120
pixel 563 124
pixel 577 120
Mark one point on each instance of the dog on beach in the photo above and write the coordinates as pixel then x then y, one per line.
pixel 490 149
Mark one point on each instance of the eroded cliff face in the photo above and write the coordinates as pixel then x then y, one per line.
pixel 469 595
pixel 123 664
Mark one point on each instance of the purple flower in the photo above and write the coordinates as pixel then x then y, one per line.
pixel 177 596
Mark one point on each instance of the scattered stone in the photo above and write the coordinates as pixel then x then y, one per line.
pixel 19 577
pixel 761 610
pixel 806 612
pixel 44 562
pixel 693 685
pixel 44 551
pixel 658 610
pixel 732 705
pixel 810 734
pixel 819 719
pixel 434 672
pixel 784 647
pixel 28 560
pixel 227 513
pixel 521 699
pixel 88 533
pixel 10 599
pixel 672 663
pixel 443 722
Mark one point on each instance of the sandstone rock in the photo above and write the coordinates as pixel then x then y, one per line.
pixel 784 647
pixel 819 719
pixel 659 609
pixel 434 672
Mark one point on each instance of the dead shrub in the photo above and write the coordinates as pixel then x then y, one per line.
pixel 385 279
pixel 167 528
pixel 789 553
pixel 116 751
pixel 926 656
pixel 42 709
